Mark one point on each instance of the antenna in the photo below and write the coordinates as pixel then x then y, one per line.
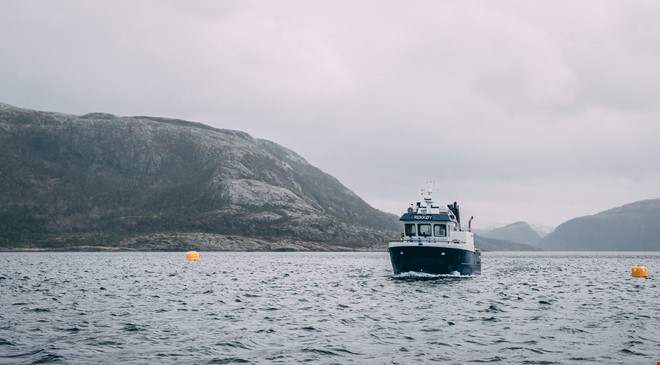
pixel 429 192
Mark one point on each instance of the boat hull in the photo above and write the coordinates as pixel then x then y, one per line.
pixel 434 260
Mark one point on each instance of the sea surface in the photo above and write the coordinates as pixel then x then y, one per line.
pixel 325 308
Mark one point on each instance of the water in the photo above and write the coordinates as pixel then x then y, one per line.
pixel 325 308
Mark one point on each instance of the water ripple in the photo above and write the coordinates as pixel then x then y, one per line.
pixel 328 308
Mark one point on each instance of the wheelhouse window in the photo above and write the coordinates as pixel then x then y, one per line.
pixel 424 230
pixel 440 230
pixel 410 229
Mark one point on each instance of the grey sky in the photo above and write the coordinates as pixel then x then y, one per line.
pixel 519 110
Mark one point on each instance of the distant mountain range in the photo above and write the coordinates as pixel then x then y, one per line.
pixel 519 232
pixel 492 244
pixel 541 229
pixel 632 227
pixel 100 181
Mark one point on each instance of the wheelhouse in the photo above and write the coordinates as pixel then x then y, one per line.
pixel 437 224
pixel 425 230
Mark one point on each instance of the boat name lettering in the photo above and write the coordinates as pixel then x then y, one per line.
pixel 425 217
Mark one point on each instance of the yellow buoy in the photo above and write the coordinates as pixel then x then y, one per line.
pixel 192 255
pixel 639 271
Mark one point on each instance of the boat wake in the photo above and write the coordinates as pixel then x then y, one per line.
pixel 413 276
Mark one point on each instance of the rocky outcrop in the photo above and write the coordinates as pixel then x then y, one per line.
pixel 103 180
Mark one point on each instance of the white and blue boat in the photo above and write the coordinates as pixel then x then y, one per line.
pixel 434 242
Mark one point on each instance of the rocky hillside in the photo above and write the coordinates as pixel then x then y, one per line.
pixel 632 227
pixel 103 180
pixel 519 232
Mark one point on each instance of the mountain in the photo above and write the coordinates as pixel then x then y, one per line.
pixel 99 180
pixel 632 227
pixel 491 244
pixel 541 229
pixel 519 232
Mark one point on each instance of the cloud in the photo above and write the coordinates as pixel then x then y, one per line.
pixel 523 110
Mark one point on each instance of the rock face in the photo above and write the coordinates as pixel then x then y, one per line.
pixel 632 227
pixel 99 179
pixel 519 232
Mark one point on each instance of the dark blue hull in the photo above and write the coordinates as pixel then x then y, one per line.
pixel 434 260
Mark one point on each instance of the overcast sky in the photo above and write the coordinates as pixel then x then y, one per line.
pixel 539 111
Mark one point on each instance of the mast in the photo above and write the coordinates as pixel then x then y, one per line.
pixel 428 199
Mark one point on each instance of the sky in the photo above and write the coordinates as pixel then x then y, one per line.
pixel 536 111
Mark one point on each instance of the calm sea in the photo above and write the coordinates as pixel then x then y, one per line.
pixel 325 308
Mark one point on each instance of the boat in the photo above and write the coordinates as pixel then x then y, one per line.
pixel 434 242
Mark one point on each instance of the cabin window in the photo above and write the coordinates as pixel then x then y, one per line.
pixel 424 230
pixel 440 230
pixel 410 230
